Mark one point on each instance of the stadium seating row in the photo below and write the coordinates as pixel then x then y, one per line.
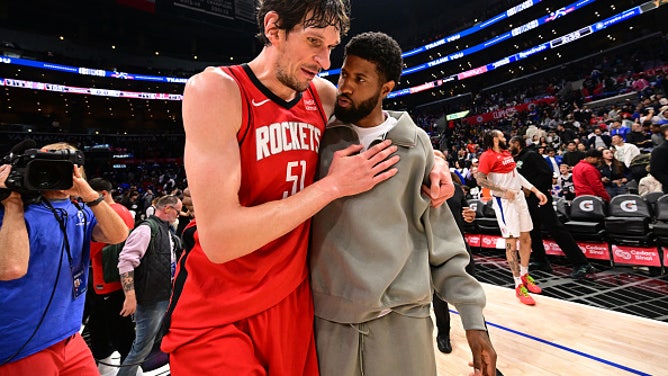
pixel 630 230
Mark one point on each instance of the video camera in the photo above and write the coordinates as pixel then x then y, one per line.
pixel 34 170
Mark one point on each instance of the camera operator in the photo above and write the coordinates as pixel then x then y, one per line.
pixel 44 263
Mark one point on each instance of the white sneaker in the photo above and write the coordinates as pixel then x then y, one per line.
pixel 108 370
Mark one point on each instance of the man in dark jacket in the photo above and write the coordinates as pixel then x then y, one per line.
pixel 658 163
pixel 534 168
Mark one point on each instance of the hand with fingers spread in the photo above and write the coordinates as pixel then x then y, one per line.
pixel 354 173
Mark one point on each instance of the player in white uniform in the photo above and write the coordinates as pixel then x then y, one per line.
pixel 496 171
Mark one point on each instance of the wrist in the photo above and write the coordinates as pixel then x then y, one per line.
pixel 98 199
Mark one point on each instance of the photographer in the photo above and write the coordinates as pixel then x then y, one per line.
pixel 44 263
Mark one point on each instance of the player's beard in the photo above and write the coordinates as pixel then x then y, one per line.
pixel 503 145
pixel 355 113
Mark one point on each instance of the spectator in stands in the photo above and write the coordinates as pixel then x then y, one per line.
pixel 566 135
pixel 649 184
pixel 533 133
pixel 616 128
pixel 543 216
pixel 599 139
pixel 188 233
pixel 656 137
pixel 663 116
pixel 108 330
pixel 614 174
pixel 649 115
pixel 659 160
pixel 498 173
pixel 565 182
pixel 639 138
pixel 553 161
pixel 587 177
pixel 624 152
pixel 572 156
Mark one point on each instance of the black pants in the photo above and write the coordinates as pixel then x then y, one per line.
pixel 109 330
pixel 545 215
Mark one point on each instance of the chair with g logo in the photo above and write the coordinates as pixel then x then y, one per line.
pixel 587 218
pixel 628 221
pixel 661 225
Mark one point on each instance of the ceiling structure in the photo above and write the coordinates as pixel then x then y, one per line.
pixel 174 41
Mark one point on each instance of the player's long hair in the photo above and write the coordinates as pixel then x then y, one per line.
pixel 488 138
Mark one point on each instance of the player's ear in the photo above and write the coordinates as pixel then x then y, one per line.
pixel 271 28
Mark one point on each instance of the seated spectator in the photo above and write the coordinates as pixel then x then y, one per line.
pixel 565 182
pixel 663 116
pixel 572 156
pixel 659 160
pixel 624 152
pixel 616 128
pixel 639 138
pixel 649 184
pixel 614 174
pixel 599 139
pixel 553 160
pixel 656 137
pixel 587 177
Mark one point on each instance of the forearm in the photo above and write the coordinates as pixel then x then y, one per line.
pixel 525 184
pixel 240 230
pixel 483 181
pixel 110 226
pixel 128 283
pixel 14 244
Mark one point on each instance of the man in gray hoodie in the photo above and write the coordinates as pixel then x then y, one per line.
pixel 376 257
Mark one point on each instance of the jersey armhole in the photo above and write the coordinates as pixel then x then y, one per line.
pixel 318 102
pixel 246 113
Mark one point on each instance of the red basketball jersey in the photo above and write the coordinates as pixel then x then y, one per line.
pixel 99 285
pixel 278 144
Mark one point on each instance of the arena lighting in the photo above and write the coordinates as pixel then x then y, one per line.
pixel 562 12
pixel 454 37
pixel 21 84
pixel 90 71
pixel 541 48
pixel 141 77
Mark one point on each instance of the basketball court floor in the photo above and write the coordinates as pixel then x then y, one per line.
pixel 615 322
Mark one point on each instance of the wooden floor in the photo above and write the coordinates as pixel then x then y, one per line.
pixel 556 337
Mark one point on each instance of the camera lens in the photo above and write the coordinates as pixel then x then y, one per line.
pixel 48 175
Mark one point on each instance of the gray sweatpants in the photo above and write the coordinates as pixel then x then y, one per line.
pixel 391 345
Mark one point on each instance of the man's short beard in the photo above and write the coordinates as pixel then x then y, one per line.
pixel 353 114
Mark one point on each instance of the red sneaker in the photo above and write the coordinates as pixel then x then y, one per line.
pixel 524 296
pixel 530 284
